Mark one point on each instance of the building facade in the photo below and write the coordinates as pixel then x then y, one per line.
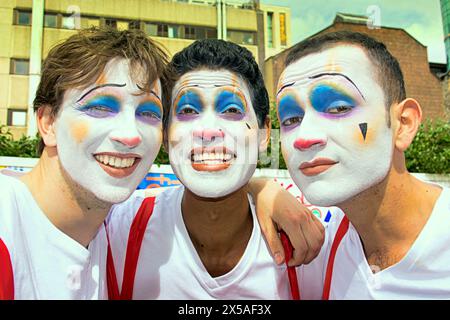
pixel 173 23
pixel 421 83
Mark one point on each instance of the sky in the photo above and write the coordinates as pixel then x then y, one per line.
pixel 420 18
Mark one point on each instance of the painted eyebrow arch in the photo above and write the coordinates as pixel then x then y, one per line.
pixel 151 91
pixel 337 74
pixel 285 86
pixel 101 86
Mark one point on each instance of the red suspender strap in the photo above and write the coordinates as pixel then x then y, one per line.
pixel 6 274
pixel 135 238
pixel 292 274
pixel 113 288
pixel 342 230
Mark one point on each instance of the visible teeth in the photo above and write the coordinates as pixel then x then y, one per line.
pixel 211 158
pixel 115 161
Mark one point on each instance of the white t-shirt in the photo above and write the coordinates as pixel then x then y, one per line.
pixel 169 267
pixel 424 272
pixel 46 263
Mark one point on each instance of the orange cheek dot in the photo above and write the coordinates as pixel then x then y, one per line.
pixel 79 131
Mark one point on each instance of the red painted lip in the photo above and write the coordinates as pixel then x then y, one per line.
pixel 316 166
pixel 119 172
pixel 201 166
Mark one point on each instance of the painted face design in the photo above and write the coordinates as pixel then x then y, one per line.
pixel 334 132
pixel 213 133
pixel 109 133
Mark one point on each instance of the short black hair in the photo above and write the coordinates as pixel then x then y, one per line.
pixel 217 54
pixel 388 71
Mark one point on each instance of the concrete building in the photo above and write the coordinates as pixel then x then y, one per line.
pixel 264 30
pixel 445 11
pixel 421 81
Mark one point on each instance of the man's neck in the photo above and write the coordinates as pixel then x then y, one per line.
pixel 71 209
pixel 219 228
pixel 390 216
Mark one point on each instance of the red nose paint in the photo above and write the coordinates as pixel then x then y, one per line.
pixel 129 142
pixel 208 134
pixel 303 144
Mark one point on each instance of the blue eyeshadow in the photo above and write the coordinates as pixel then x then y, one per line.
pixel 104 101
pixel 288 107
pixel 226 100
pixel 324 97
pixel 189 99
pixel 149 106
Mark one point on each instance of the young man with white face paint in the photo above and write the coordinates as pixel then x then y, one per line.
pixel 202 240
pixel 99 107
pixel 99 113
pixel 345 124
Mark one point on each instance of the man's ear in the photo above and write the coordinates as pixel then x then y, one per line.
pixel 407 116
pixel 265 137
pixel 46 125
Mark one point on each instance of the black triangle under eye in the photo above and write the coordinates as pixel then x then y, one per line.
pixel 363 128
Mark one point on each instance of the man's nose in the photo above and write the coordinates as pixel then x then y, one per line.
pixel 305 144
pixel 129 141
pixel 209 135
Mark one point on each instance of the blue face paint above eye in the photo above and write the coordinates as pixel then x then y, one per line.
pixel 188 104
pixel 149 112
pixel 289 111
pixel 230 103
pixel 101 107
pixel 327 99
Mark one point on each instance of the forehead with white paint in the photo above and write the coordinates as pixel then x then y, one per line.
pixel 208 81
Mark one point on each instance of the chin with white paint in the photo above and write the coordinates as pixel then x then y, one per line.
pixel 213 133
pixel 109 133
pixel 335 136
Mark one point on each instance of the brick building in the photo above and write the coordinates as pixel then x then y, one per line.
pixel 421 82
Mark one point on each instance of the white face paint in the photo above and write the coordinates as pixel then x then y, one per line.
pixel 109 133
pixel 334 132
pixel 213 132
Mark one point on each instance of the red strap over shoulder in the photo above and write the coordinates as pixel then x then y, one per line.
pixel 135 238
pixel 6 274
pixel 342 230
pixel 292 274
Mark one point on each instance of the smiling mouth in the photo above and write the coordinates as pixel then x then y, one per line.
pixel 211 159
pixel 117 165
pixel 316 166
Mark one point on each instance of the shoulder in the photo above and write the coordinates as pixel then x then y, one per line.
pixel 13 199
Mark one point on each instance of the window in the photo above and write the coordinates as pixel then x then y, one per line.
pixel 242 37
pixel 189 32
pixel 283 37
pixel 22 17
pixel 173 32
pixel 111 23
pixel 162 30
pixel 20 66
pixel 270 29
pixel 151 29
pixel 51 20
pixel 68 22
pixel 87 22
pixel 122 25
pixel 211 33
pixel 135 25
pixel 16 117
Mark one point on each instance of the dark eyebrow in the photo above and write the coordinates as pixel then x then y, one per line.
pixel 338 74
pixel 285 86
pixel 151 91
pixel 101 86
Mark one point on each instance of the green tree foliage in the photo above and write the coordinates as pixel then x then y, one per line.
pixel 430 150
pixel 25 147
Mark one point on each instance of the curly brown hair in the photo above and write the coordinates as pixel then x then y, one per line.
pixel 80 60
